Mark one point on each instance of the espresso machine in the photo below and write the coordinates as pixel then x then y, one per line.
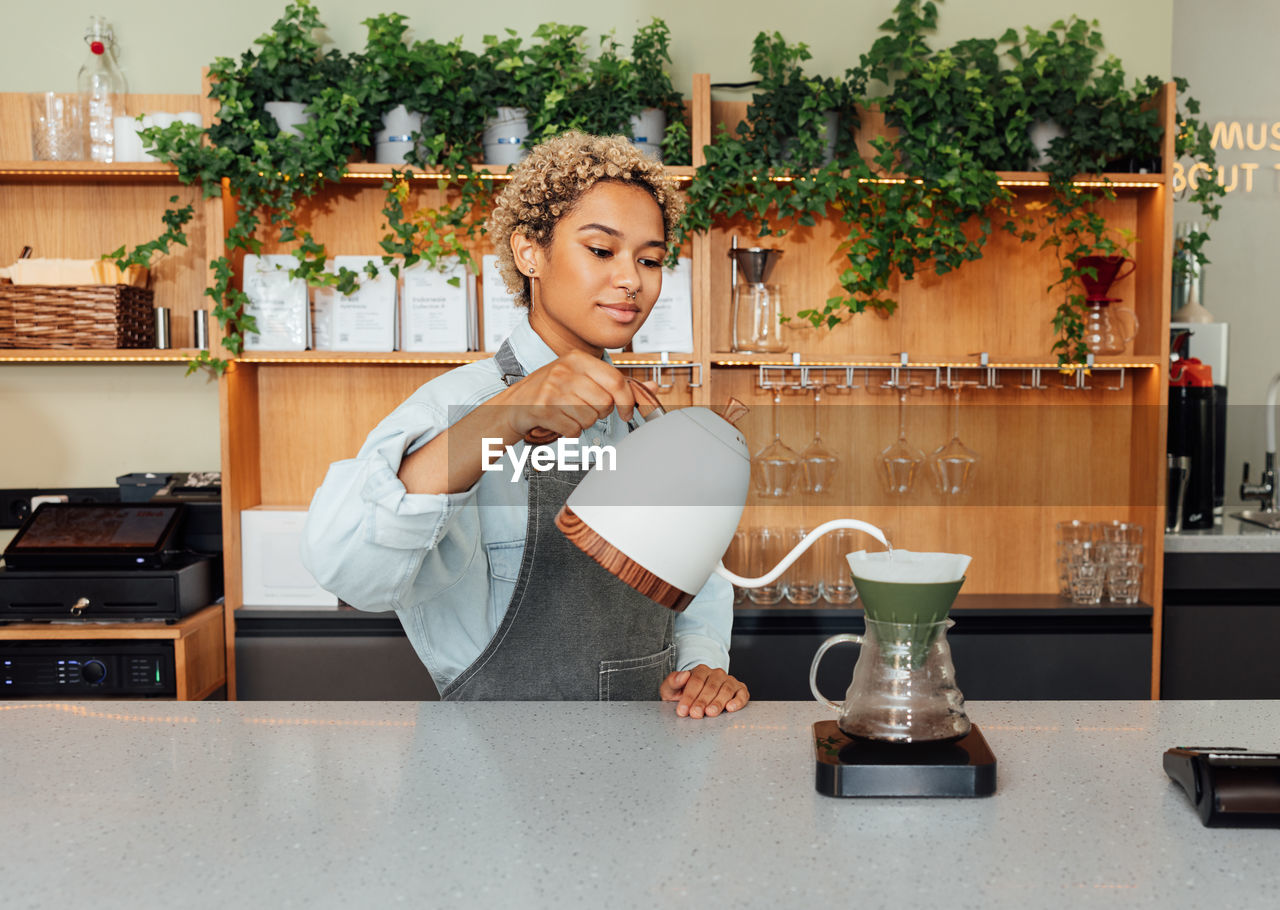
pixel 1208 343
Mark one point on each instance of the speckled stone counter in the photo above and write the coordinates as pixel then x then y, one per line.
pixel 1230 536
pixel 359 804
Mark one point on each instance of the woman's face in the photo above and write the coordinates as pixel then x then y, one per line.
pixel 598 279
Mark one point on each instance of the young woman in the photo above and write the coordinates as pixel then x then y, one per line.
pixel 497 603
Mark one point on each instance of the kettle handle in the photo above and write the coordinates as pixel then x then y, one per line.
pixel 540 436
pixel 831 642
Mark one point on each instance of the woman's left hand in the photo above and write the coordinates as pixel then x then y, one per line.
pixel 703 691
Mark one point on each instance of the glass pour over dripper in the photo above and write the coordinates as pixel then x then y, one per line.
pixel 903 688
pixel 757 304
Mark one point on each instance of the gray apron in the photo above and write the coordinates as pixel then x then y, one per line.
pixel 572 631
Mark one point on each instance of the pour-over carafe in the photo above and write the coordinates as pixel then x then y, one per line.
pixel 903 688
pixel 1105 329
pixel 904 685
pixel 757 304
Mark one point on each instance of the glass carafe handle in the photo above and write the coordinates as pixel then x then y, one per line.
pixel 1131 332
pixel 817 658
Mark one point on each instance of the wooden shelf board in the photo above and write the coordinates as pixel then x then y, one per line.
pixel 99 355
pixel 157 629
pixel 366 171
pixel 90 171
pixel 1121 181
pixel 1021 179
pixel 405 358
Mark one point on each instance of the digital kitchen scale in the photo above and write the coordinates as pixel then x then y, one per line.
pixel 847 766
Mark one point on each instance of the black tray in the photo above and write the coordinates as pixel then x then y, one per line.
pixel 857 767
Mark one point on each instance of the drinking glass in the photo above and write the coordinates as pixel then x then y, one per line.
pixel 818 464
pixel 1124 572
pixel 837 582
pixel 802 578
pixel 1087 578
pixel 765 549
pixel 57 127
pixel 775 468
pixel 1069 537
pixel 953 462
pixel 899 461
pixel 1115 531
pixel 1124 582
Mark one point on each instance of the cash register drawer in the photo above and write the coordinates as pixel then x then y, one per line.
pixel 113 594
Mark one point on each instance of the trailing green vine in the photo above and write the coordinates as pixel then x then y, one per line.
pixel 926 196
pixel 175 219
pixel 271 172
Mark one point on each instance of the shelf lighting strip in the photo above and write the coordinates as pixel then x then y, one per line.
pixel 53 357
pixel 483 175
pixel 164 170
pixel 898 181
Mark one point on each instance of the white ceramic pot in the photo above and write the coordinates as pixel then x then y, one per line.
pixel 647 130
pixel 506 136
pixel 393 143
pixel 828 132
pixel 289 115
pixel 1041 133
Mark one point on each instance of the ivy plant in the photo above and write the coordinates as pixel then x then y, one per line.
pixel 770 169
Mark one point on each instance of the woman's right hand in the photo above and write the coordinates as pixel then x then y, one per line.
pixel 565 397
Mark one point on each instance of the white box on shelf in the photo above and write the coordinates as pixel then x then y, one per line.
pixel 433 312
pixel 277 303
pixel 363 320
pixel 670 324
pixel 271 560
pixel 501 315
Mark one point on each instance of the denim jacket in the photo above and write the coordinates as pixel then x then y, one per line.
pixel 447 563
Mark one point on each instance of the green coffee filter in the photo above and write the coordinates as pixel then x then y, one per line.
pixel 912 590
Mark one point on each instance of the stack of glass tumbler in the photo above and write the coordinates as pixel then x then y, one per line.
pixel 1097 558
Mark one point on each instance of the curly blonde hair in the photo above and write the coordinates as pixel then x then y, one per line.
pixel 548 184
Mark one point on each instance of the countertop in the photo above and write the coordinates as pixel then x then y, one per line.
pixel 351 804
pixel 1228 536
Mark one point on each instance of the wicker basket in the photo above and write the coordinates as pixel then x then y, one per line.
pixel 81 316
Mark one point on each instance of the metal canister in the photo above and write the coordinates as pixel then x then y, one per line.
pixel 162 328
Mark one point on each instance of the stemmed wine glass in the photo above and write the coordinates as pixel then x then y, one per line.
pixel 899 461
pixel 818 464
pixel 953 462
pixel 775 468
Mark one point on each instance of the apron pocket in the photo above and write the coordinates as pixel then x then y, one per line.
pixel 504 572
pixel 637 678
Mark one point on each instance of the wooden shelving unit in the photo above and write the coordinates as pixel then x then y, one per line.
pixel 199 644
pixel 79 210
pixel 1048 454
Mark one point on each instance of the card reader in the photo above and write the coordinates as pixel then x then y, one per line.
pixel 1230 787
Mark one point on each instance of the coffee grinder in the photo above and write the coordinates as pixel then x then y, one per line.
pixel 1192 437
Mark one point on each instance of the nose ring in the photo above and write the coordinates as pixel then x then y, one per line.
pixel 631 295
